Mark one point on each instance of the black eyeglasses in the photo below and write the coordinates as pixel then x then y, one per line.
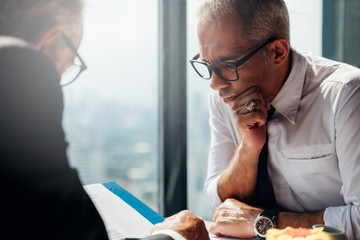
pixel 227 71
pixel 73 71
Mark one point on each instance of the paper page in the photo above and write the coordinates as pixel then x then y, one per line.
pixel 120 219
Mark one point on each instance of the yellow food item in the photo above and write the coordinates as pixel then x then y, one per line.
pixel 290 233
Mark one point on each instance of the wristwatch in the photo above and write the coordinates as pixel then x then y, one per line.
pixel 265 221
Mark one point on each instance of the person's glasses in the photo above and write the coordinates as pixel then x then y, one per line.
pixel 73 71
pixel 227 71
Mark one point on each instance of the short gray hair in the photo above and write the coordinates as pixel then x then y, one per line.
pixel 261 19
pixel 29 19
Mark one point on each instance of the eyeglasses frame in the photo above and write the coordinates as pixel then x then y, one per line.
pixel 73 49
pixel 235 65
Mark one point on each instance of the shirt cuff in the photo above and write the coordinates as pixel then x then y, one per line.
pixel 171 233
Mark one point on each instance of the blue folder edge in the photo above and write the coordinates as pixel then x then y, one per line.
pixel 135 203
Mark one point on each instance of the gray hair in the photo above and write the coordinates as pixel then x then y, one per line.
pixel 29 19
pixel 261 19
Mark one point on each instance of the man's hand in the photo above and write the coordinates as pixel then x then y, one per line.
pixel 185 223
pixel 251 125
pixel 239 178
pixel 235 219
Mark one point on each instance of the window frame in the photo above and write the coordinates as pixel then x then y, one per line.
pixel 172 106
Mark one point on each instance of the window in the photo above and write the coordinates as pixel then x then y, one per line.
pixel 341 39
pixel 306 25
pixel 198 123
pixel 111 113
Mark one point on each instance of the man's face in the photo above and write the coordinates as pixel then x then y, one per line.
pixel 224 40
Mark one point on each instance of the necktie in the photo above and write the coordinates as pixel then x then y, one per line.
pixel 264 192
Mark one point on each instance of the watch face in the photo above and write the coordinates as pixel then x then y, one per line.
pixel 263 224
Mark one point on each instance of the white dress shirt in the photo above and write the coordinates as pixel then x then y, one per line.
pixel 314 142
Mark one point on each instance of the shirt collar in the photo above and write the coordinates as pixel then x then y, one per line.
pixel 287 101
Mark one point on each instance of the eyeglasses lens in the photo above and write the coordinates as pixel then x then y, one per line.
pixel 70 74
pixel 202 70
pixel 225 71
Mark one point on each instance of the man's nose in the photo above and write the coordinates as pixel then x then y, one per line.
pixel 217 83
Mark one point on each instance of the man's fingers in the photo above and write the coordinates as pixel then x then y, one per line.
pixel 248 121
pixel 240 109
pixel 258 115
pixel 214 229
pixel 215 216
pixel 251 94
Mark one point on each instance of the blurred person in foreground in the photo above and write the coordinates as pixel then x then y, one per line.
pixel 313 157
pixel 41 196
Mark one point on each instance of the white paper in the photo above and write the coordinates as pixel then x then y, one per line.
pixel 120 219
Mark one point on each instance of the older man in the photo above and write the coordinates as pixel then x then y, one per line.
pixel 41 196
pixel 311 170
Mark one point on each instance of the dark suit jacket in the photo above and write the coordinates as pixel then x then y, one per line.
pixel 41 196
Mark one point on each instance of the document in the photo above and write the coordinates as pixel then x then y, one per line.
pixel 123 214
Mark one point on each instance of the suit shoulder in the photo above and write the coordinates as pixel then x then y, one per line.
pixel 10 47
pixel 18 50
pixel 20 60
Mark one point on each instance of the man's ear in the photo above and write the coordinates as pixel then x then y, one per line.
pixel 280 49
pixel 48 37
